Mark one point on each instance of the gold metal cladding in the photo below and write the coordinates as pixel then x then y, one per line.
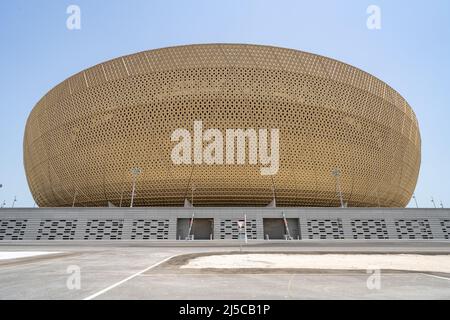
pixel 84 136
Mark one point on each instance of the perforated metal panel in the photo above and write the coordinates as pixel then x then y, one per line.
pixel 445 224
pixel 229 229
pixel 413 229
pixel 57 229
pixel 85 135
pixel 13 229
pixel 325 229
pixel 108 229
pixel 150 229
pixel 369 229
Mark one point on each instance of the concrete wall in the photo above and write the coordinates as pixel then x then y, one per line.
pixel 161 223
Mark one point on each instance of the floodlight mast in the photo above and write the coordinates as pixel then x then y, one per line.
pixel 434 203
pixel 135 172
pixel 3 203
pixel 337 174
pixel 191 223
pixel 415 200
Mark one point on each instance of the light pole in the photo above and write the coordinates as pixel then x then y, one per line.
pixel 121 198
pixel 4 202
pixel 245 228
pixel 14 201
pixel 434 203
pixel 192 195
pixel 337 174
pixel 135 172
pixel 191 223
pixel 378 199
pixel 74 198
pixel 415 200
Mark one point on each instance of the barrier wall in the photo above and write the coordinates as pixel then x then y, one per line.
pixel 161 223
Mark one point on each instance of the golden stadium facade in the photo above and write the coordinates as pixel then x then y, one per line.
pixel 84 136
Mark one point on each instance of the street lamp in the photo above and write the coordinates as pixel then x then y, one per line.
pixel 14 201
pixel 192 195
pixel 74 198
pixel 337 174
pixel 434 203
pixel 4 202
pixel 121 198
pixel 135 172
pixel 191 223
pixel 415 200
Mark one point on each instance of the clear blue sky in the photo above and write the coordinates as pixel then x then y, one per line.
pixel 411 53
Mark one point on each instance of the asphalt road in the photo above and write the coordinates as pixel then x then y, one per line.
pixel 136 270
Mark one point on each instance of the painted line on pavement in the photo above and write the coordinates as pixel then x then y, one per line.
pixel 95 295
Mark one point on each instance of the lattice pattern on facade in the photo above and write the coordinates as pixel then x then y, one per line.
pixel 13 229
pixel 229 229
pixel 413 229
pixel 445 225
pixel 109 229
pixel 325 229
pixel 57 229
pixel 151 229
pixel 85 135
pixel 369 229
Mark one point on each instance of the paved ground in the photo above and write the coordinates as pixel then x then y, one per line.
pixel 128 270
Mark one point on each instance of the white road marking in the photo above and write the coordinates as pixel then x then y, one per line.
pixel 95 295
pixel 10 255
pixel 433 276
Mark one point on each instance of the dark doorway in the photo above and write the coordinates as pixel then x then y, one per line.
pixel 275 229
pixel 202 229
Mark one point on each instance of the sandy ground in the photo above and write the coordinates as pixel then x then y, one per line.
pixel 407 262
pixel 8 255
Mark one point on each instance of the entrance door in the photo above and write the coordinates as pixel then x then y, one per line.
pixel 202 229
pixel 274 229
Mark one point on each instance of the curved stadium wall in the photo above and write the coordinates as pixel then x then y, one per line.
pixel 83 137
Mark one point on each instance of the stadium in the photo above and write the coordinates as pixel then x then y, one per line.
pixel 148 159
pixel 103 136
